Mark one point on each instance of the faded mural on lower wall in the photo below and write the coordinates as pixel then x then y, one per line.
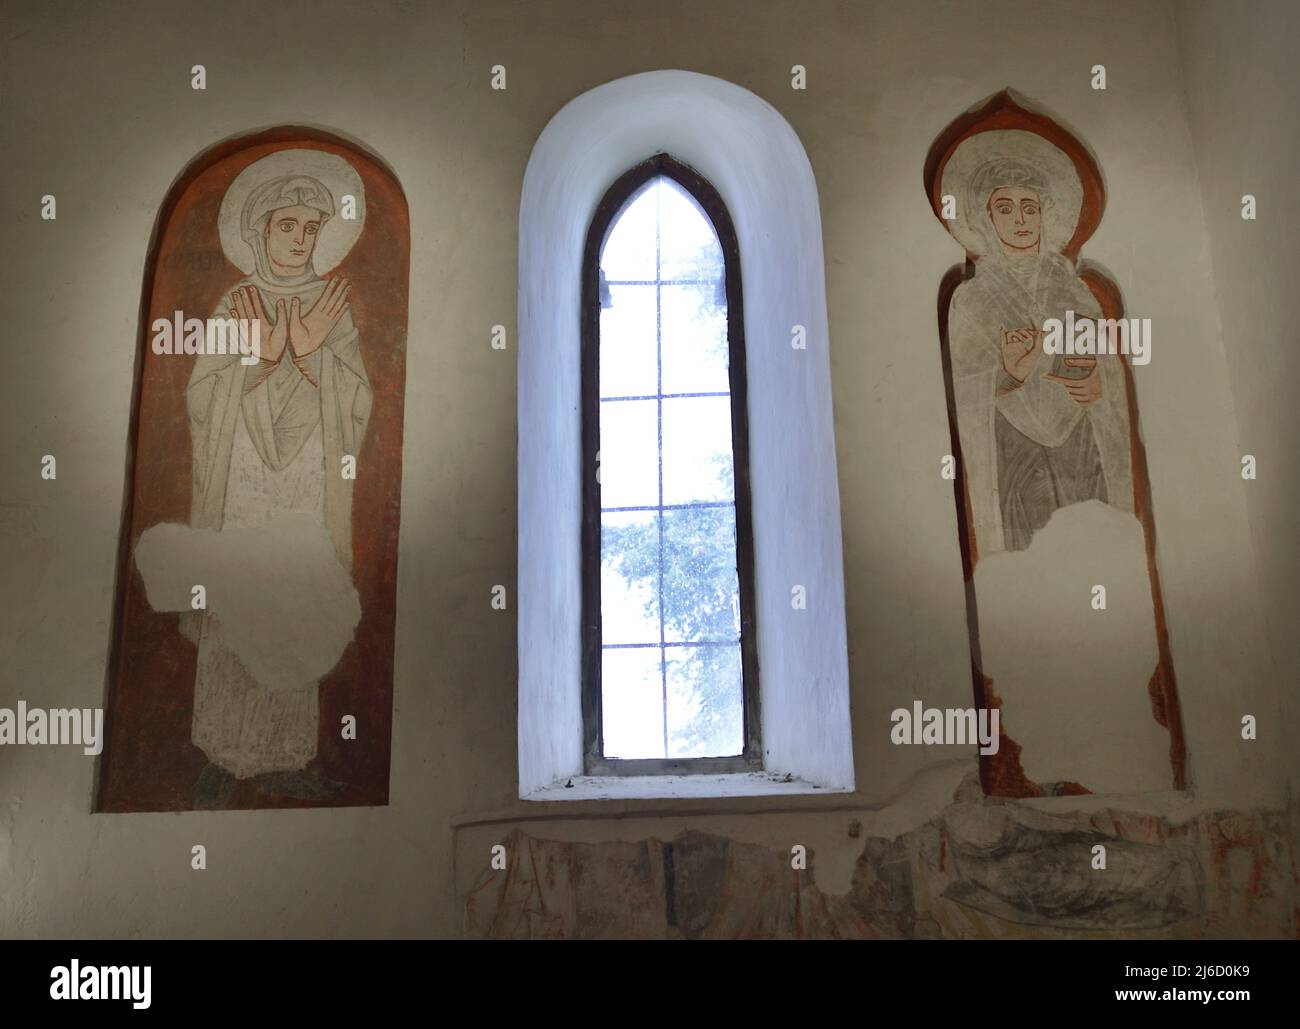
pixel 983 867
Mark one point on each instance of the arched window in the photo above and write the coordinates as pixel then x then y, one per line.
pixel 738 170
pixel 669 652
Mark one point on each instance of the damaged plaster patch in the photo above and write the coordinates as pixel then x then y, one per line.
pixel 1073 680
pixel 286 606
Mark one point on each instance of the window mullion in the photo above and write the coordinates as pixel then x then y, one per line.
pixel 659 406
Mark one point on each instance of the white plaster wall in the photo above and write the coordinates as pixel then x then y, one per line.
pixel 95 106
pixel 1243 100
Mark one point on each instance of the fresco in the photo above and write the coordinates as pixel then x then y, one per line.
pixel 1053 498
pixel 253 641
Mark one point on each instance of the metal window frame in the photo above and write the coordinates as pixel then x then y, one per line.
pixel 607 211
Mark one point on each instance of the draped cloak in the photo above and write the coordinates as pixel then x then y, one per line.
pixel 1014 436
pixel 220 390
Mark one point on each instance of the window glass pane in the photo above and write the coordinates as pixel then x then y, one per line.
pixel 631 681
pixel 689 247
pixel 629 577
pixel 697 450
pixel 630 246
pixel 629 453
pixel 668 569
pixel 694 339
pixel 705 701
pixel 629 363
pixel 701 593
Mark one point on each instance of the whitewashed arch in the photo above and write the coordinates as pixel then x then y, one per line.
pixel 743 146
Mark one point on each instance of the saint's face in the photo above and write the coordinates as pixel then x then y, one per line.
pixel 291 237
pixel 1017 217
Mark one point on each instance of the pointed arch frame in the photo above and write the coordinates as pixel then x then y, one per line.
pixel 614 202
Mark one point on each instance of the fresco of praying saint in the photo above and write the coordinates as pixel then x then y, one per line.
pixel 270 532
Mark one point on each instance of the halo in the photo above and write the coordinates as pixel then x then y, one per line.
pixel 1060 213
pixel 340 178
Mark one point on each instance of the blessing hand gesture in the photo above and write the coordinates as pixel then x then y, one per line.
pixel 308 331
pixel 246 306
pixel 1019 349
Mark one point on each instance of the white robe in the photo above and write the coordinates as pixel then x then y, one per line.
pixel 268 460
pixel 1071 678
pixel 1017 294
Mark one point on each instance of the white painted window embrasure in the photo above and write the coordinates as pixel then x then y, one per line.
pixel 752 157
